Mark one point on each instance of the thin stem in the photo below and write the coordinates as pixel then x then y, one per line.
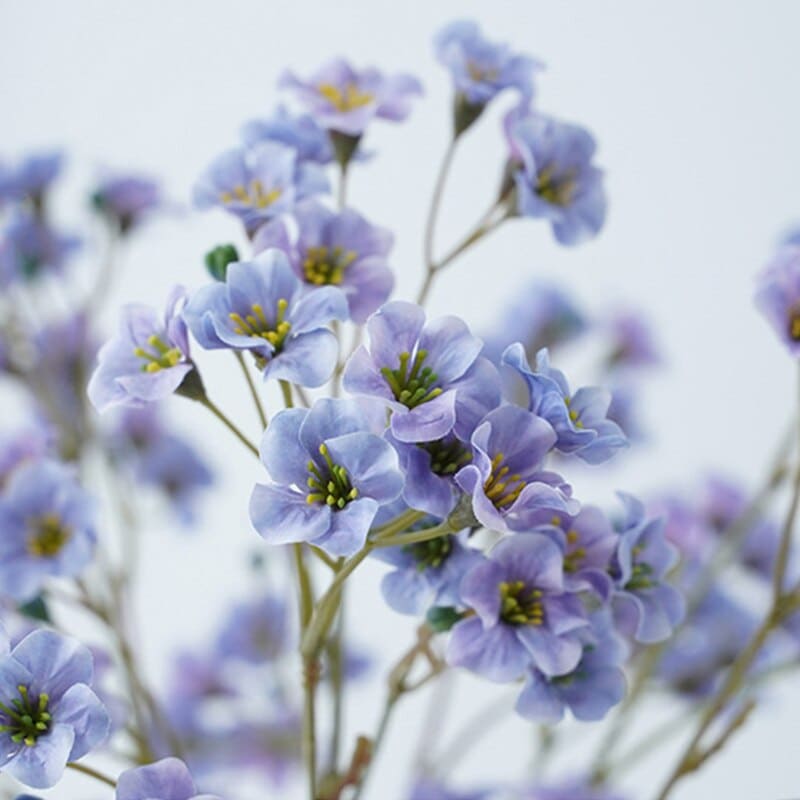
pixel 286 390
pixel 341 194
pixel 337 684
pixel 436 203
pixel 92 773
pixel 262 415
pixel 215 410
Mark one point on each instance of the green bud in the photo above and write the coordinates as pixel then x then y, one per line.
pixel 217 260
pixel 442 618
pixel 36 609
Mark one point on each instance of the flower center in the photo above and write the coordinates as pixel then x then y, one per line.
pixel 431 554
pixel 257 324
pixel 330 485
pixel 640 578
pixel 573 414
pixel 26 719
pixel 559 190
pixel 447 456
pixel 575 554
pixel 345 98
pixel 326 265
pixel 159 356
pixel 412 387
pixel 520 604
pixel 500 487
pixel 480 73
pixel 48 535
pixel 253 195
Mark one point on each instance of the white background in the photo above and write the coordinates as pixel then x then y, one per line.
pixel 695 107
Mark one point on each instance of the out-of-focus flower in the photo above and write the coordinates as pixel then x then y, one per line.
pixel 31 249
pixel 555 177
pixel 258 184
pixel 573 789
pixel 524 617
pixel 429 375
pixel 300 132
pixel 48 713
pixel 47 522
pixel 778 295
pixel 330 475
pixel 429 789
pixel 147 360
pixel 342 249
pixel 632 343
pixel 33 176
pixel 580 420
pixel 256 631
pixel 126 200
pixel 263 307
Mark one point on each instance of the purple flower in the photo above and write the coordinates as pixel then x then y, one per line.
pixel 263 307
pixel 588 543
pixel 524 617
pixel 47 522
pixel 31 249
pixel 505 478
pixel 258 184
pixel 48 713
pixel 168 779
pixel 125 200
pixel 574 789
pixel 429 789
pixel 345 100
pixel 632 342
pixel 429 375
pixel 580 420
pixel 645 605
pixel 555 178
pixel 256 631
pixel 300 132
pixel 27 443
pixel 148 358
pixel 33 176
pixel 481 69
pixel 426 573
pixel 335 249
pixel 778 295
pixel 595 686
pixel 329 477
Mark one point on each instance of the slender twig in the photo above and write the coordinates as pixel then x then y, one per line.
pixel 436 203
pixel 286 390
pixel 341 193
pixel 262 416
pixel 215 410
pixel 92 773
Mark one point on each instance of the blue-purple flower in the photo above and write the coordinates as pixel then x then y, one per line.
pixel 263 307
pixel 300 132
pixel 168 779
pixel 47 521
pixel 125 200
pixel 259 183
pixel 256 631
pixel 426 573
pixel 33 176
pixel 580 420
pixel 341 249
pixel 646 606
pixel 148 358
pixel 48 713
pixel 778 295
pixel 589 691
pixel 429 375
pixel 524 615
pixel 555 177
pixel 505 477
pixel 346 100
pixel 30 249
pixel 574 789
pixel 481 69
pixel 632 343
pixel 329 474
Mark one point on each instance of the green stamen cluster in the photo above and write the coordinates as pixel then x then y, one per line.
pixel 447 457
pixel 640 578
pixel 431 554
pixel 162 356
pixel 554 188
pixel 520 604
pixel 47 537
pixel 415 386
pixel 28 719
pixel 500 487
pixel 253 195
pixel 331 485
pixel 257 324
pixel 324 266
